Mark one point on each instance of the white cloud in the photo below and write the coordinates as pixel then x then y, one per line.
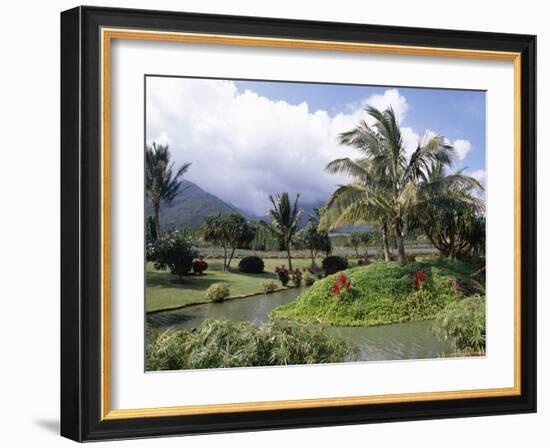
pixel 462 148
pixel 479 175
pixel 244 147
pixel 393 98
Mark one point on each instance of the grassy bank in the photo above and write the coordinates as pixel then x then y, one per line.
pixel 385 293
pixel 165 290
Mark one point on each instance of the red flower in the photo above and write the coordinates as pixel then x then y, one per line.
pixel 419 277
pixel 342 282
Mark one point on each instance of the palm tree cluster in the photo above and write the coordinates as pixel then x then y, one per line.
pixel 390 189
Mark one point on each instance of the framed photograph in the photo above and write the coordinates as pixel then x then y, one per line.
pixel 276 224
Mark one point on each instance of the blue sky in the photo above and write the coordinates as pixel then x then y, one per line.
pixel 455 114
pixel 247 140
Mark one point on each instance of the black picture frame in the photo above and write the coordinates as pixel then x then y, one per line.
pixel 81 224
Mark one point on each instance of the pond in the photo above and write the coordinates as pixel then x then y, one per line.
pixel 411 340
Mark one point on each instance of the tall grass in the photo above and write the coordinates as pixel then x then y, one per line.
pixel 223 343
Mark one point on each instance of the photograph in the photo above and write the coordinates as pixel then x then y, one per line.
pixel 291 223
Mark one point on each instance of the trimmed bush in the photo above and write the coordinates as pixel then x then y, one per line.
pixel 309 279
pixel 199 266
pixel 217 344
pixel 218 292
pixel 251 265
pixel 283 275
pixel 333 264
pixel 269 286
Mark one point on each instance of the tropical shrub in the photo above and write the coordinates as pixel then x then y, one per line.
pixel 217 344
pixel 380 293
pixel 333 264
pixel 462 323
pixel 296 275
pixel 269 286
pixel 199 266
pixel 218 292
pixel 173 251
pixel 251 265
pixel 309 279
pixel 282 274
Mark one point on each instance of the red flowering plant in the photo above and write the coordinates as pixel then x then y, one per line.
pixel 342 284
pixel 419 278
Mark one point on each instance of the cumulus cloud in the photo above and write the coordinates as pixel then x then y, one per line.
pixel 462 148
pixel 243 146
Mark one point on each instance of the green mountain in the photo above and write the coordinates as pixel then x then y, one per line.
pixel 191 207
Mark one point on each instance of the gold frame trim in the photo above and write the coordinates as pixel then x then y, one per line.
pixel 107 35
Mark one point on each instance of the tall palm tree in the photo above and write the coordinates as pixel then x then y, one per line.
pixel 161 182
pixel 397 175
pixel 365 200
pixel 285 220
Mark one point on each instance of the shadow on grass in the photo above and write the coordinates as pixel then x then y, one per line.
pixel 192 282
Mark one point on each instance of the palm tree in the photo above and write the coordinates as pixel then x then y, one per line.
pixel 365 200
pixel 449 213
pixel 285 220
pixel 397 175
pixel 161 183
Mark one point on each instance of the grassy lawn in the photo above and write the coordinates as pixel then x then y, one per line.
pixel 165 290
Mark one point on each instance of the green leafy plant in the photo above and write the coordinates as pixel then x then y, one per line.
pixel 309 279
pixel 463 324
pixel 269 286
pixel 217 344
pixel 173 251
pixel 251 265
pixel 218 292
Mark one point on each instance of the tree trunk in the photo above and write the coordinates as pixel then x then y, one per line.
pixel 156 219
pixel 312 257
pixel 230 258
pixel 289 256
pixel 385 242
pixel 224 259
pixel 399 241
